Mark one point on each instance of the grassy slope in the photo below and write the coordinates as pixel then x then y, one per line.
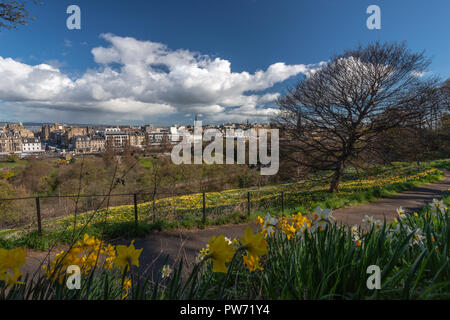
pixel 127 228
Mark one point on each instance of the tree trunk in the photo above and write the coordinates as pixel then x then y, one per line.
pixel 334 186
pixel 154 206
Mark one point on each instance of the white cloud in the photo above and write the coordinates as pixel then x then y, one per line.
pixel 144 78
pixel 67 43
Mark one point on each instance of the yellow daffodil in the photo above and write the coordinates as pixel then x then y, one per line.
pixel 260 221
pixel 252 262
pixel 255 244
pixel 110 252
pixel 126 287
pixel 127 256
pixel 220 251
pixel 288 229
pixel 10 262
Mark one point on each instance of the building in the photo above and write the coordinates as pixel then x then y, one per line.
pixel 10 142
pixel 182 133
pixel 89 144
pixel 31 145
pixel 71 132
pixel 56 137
pixel 15 143
pixel 116 138
pixel 157 138
pixel 4 143
pixel 138 139
pixel 47 129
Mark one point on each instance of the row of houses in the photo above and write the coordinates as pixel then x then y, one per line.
pixel 14 143
pixel 118 139
pixel 14 138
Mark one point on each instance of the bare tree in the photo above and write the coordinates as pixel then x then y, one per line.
pixel 446 95
pixel 337 112
pixel 13 13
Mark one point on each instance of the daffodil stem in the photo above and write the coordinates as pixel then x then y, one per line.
pixel 241 248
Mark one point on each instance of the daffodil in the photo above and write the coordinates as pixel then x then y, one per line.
pixel 438 206
pixel 377 224
pixel 369 221
pixel 10 262
pixel 252 262
pixel 269 224
pixel 126 286
pixel 401 213
pixel 323 218
pixel 127 256
pixel 110 252
pixel 255 244
pixel 85 253
pixel 417 237
pixel 166 271
pixel 289 230
pixel 302 230
pixel 260 221
pixel 202 254
pixel 220 252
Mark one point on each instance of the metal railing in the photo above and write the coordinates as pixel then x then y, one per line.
pixel 139 206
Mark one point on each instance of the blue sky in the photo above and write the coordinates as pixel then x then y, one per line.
pixel 214 48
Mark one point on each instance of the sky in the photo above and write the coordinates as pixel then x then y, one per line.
pixel 161 62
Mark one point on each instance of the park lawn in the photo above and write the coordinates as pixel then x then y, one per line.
pixel 20 163
pixel 146 162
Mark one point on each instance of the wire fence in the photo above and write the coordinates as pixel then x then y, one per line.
pixel 69 211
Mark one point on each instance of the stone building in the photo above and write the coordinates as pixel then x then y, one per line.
pixel 31 145
pixel 89 144
pixel 10 142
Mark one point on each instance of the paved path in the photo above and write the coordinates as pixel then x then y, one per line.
pixel 187 243
pixel 385 208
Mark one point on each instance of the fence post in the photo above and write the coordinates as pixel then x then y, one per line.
pixel 249 208
pixel 135 208
pixel 282 201
pixel 38 212
pixel 204 208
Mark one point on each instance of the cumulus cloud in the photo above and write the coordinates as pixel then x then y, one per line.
pixel 145 78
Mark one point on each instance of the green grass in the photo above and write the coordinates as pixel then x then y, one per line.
pixel 146 162
pixel 20 163
pixel 440 164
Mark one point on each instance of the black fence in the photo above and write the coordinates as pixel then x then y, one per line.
pixel 51 212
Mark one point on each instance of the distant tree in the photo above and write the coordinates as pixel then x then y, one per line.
pixel 14 13
pixel 34 176
pixel 426 140
pixel 165 145
pixel 13 157
pixel 158 173
pixel 336 113
pixel 446 95
pixel 109 153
